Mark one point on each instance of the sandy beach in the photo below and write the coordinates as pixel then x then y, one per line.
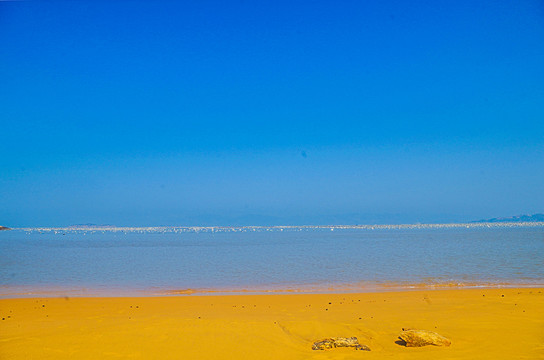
pixel 481 323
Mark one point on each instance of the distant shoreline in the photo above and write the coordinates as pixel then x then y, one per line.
pixel 280 227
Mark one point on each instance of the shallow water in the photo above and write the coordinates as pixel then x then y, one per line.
pixel 264 259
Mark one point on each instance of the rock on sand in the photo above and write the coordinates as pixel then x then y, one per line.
pixel 331 343
pixel 417 338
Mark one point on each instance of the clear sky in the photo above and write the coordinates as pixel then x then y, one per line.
pixel 279 112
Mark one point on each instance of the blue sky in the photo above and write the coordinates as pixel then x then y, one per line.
pixel 295 112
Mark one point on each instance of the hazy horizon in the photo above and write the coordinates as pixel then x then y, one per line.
pixel 269 221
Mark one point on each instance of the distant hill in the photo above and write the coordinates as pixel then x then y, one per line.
pixel 4 228
pixel 518 218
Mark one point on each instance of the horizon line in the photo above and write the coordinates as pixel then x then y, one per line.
pixel 113 228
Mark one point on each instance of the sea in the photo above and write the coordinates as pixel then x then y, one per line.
pixel 104 261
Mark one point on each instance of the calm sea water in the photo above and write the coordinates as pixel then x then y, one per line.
pixel 270 259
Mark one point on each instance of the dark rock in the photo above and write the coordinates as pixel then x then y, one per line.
pixel 331 343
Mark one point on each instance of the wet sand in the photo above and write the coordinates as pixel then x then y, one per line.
pixel 481 323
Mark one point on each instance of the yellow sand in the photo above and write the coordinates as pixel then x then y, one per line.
pixel 275 326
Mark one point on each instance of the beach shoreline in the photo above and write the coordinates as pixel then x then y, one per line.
pixel 51 291
pixel 482 323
